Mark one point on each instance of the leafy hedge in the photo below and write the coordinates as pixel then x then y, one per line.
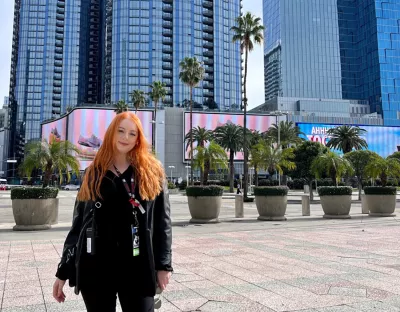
pixel 334 190
pixel 248 199
pixel 34 193
pixel 209 190
pixel 171 186
pixel 379 190
pixel 182 185
pixel 271 191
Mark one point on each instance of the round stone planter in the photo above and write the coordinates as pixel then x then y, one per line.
pixel 173 191
pixel 34 214
pixel 271 208
pixel 336 206
pixel 380 205
pixel 204 209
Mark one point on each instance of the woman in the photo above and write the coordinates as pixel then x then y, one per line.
pixel 120 240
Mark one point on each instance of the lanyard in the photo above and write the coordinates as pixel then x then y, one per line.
pixel 134 202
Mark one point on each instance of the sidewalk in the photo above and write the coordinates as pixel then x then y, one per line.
pixel 306 264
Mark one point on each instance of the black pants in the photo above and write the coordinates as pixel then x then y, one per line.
pixel 105 299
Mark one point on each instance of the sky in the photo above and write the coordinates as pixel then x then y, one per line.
pixel 255 80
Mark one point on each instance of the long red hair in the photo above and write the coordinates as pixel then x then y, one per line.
pixel 148 169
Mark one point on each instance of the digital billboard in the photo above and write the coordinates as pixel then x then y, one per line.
pixel 211 121
pixel 381 140
pixel 55 130
pixel 87 127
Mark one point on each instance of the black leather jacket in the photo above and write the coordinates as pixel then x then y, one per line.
pixel 158 238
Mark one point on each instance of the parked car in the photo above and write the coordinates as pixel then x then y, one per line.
pixel 3 187
pixel 71 187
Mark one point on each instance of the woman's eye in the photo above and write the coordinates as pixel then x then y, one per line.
pixel 120 131
pixel 132 134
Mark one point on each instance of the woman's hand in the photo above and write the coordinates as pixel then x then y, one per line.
pixel 58 292
pixel 163 279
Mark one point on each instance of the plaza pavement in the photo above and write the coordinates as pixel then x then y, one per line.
pixel 304 264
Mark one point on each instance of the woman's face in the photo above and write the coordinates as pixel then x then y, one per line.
pixel 126 136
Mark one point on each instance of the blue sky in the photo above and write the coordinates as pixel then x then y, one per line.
pixel 255 80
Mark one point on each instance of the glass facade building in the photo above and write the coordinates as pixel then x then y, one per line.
pixel 334 49
pixel 150 38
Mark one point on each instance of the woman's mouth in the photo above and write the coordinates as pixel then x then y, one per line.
pixel 124 144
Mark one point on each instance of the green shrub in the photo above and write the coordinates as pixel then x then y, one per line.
pixel 171 186
pixel 214 182
pixel 334 190
pixel 248 199
pixel 298 184
pixel 271 191
pixel 209 190
pixel 34 193
pixel 182 185
pixel 379 190
pixel 264 182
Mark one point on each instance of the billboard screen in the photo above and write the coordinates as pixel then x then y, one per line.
pixel 55 130
pixel 211 121
pixel 87 127
pixel 381 140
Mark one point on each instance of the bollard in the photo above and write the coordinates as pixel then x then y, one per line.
pixel 239 206
pixel 305 205
pixel 306 189
pixel 364 205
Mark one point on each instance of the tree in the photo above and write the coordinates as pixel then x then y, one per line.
pixel 247 31
pixel 346 138
pixel 138 99
pixel 254 152
pixel 275 159
pixel 287 133
pixel 395 155
pixel 57 156
pixel 157 93
pixel 332 165
pixel 229 136
pixel 304 155
pixel 383 168
pixel 208 158
pixel 121 107
pixel 191 74
pixel 201 136
pixel 359 161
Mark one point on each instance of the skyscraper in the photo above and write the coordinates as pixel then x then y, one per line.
pixel 334 50
pixel 67 53
pixel 150 38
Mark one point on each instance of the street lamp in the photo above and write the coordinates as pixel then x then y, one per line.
pixel 171 167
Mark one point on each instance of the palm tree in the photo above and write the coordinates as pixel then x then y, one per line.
pixel 201 136
pixel 57 156
pixel 191 74
pixel 229 136
pixel 332 165
pixel 346 138
pixel 157 92
pixel 138 99
pixel 286 132
pixel 121 107
pixel 208 158
pixel 275 159
pixel 383 168
pixel 247 31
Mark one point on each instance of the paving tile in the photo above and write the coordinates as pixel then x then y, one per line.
pixel 24 291
pixel 374 306
pixel 21 301
pixel 189 304
pixel 344 291
pixel 28 308
pixel 67 306
pixel 22 284
pixel 181 295
pixel 341 308
pixel 214 306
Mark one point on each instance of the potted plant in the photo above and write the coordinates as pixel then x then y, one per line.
pixel 271 202
pixel 34 208
pixel 335 200
pixel 204 203
pixel 381 201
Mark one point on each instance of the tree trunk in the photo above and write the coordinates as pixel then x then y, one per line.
pixel 191 137
pixel 333 177
pixel 47 175
pixel 255 175
pixel 206 171
pixel 384 179
pixel 231 171
pixel 359 187
pixel 245 165
pixel 311 190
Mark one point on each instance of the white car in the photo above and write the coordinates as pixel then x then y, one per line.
pixel 71 187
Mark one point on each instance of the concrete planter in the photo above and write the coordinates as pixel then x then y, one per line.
pixel 379 205
pixel 271 208
pixel 34 214
pixel 336 206
pixel 204 209
pixel 173 191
